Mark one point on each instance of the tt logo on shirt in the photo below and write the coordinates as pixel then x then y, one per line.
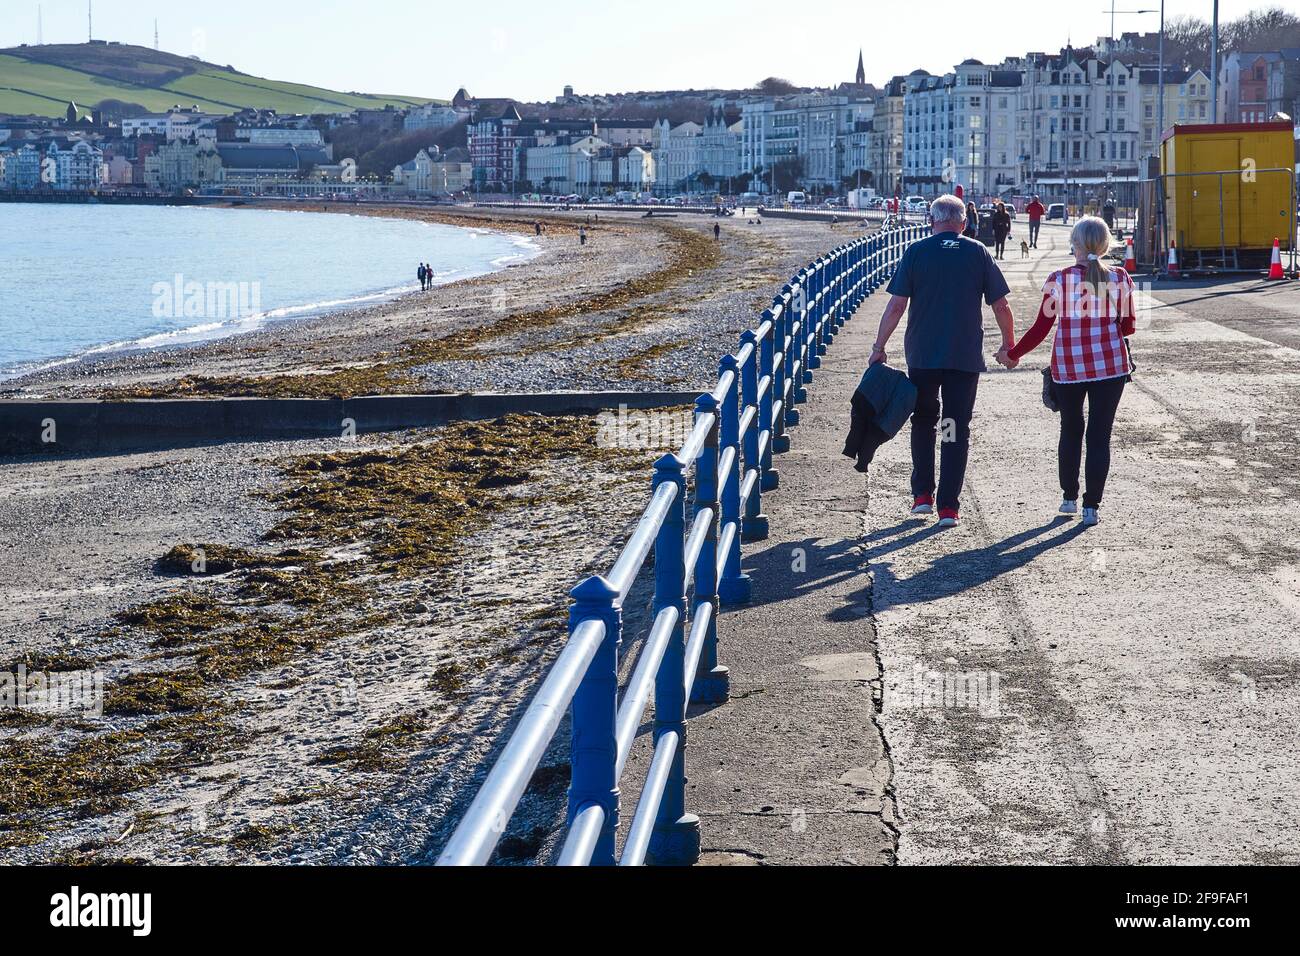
pixel 951 244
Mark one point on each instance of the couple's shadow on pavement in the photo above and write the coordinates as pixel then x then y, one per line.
pixel 794 569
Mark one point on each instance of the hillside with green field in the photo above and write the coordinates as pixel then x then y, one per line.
pixel 42 79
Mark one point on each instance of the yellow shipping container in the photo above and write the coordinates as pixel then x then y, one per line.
pixel 1248 206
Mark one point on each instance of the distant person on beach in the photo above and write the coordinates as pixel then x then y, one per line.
pixel 942 283
pixel 537 226
pixel 423 275
pixel 582 235
pixel 717 232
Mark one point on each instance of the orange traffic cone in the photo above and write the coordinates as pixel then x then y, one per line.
pixel 1130 258
pixel 1173 259
pixel 1275 267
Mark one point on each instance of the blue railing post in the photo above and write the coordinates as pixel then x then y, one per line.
pixel 676 837
pixel 754 527
pixel 832 322
pixel 818 312
pixel 859 272
pixel 832 306
pixel 712 680
pixel 823 306
pixel 734 588
pixel 794 355
pixel 780 372
pixel 803 279
pixel 771 479
pixel 594 752
pixel 841 287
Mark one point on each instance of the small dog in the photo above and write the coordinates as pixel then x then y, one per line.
pixel 1024 249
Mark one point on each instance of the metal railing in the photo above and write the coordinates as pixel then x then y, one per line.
pixel 697 569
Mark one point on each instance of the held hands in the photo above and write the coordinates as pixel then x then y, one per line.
pixel 1004 359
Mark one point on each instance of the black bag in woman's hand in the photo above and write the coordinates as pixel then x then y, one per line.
pixel 1049 391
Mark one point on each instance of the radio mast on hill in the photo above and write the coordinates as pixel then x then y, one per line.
pixel 40 27
pixel 155 33
pixel 90 20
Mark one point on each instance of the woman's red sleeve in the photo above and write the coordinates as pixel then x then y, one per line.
pixel 1128 317
pixel 1038 331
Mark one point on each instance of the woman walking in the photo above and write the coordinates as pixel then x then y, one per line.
pixel 1001 229
pixel 1090 358
pixel 972 230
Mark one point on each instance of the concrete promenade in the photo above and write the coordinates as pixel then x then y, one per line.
pixel 1020 690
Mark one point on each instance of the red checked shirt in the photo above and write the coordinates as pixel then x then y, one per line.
pixel 1089 343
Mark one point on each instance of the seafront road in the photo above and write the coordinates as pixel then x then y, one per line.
pixel 1020 689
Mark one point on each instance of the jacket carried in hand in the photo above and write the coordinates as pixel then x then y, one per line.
pixel 882 404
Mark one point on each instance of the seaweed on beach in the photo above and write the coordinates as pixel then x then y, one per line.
pixel 691 251
pixel 400 512
pixel 380 748
pixel 634 366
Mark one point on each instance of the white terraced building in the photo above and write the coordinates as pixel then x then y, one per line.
pixel 960 129
pixel 1079 122
pixel 808 133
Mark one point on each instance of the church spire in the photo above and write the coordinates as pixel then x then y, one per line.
pixel 862 71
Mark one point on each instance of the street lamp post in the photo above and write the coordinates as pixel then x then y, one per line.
pixel 1214 66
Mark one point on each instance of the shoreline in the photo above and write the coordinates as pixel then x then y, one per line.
pixel 294 357
pixel 205 333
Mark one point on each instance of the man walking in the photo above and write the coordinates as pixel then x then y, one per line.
pixel 944 278
pixel 1035 212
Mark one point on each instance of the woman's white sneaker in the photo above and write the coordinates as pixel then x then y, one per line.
pixel 1069 507
pixel 1090 516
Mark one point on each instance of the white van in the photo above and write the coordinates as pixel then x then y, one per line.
pixel 797 199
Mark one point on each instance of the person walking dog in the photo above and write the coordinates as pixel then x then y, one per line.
pixel 942 283
pixel 1001 229
pixel 1093 310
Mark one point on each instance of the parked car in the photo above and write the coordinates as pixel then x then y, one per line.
pixel 1056 211
pixel 916 204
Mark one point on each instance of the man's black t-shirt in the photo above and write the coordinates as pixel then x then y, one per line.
pixel 946 276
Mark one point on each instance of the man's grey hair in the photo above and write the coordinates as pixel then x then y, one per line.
pixel 947 209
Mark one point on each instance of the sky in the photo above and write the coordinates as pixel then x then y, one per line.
pixel 530 50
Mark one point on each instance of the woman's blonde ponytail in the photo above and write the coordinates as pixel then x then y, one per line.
pixel 1092 236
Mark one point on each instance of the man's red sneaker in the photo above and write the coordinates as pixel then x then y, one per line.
pixel 923 505
pixel 948 518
